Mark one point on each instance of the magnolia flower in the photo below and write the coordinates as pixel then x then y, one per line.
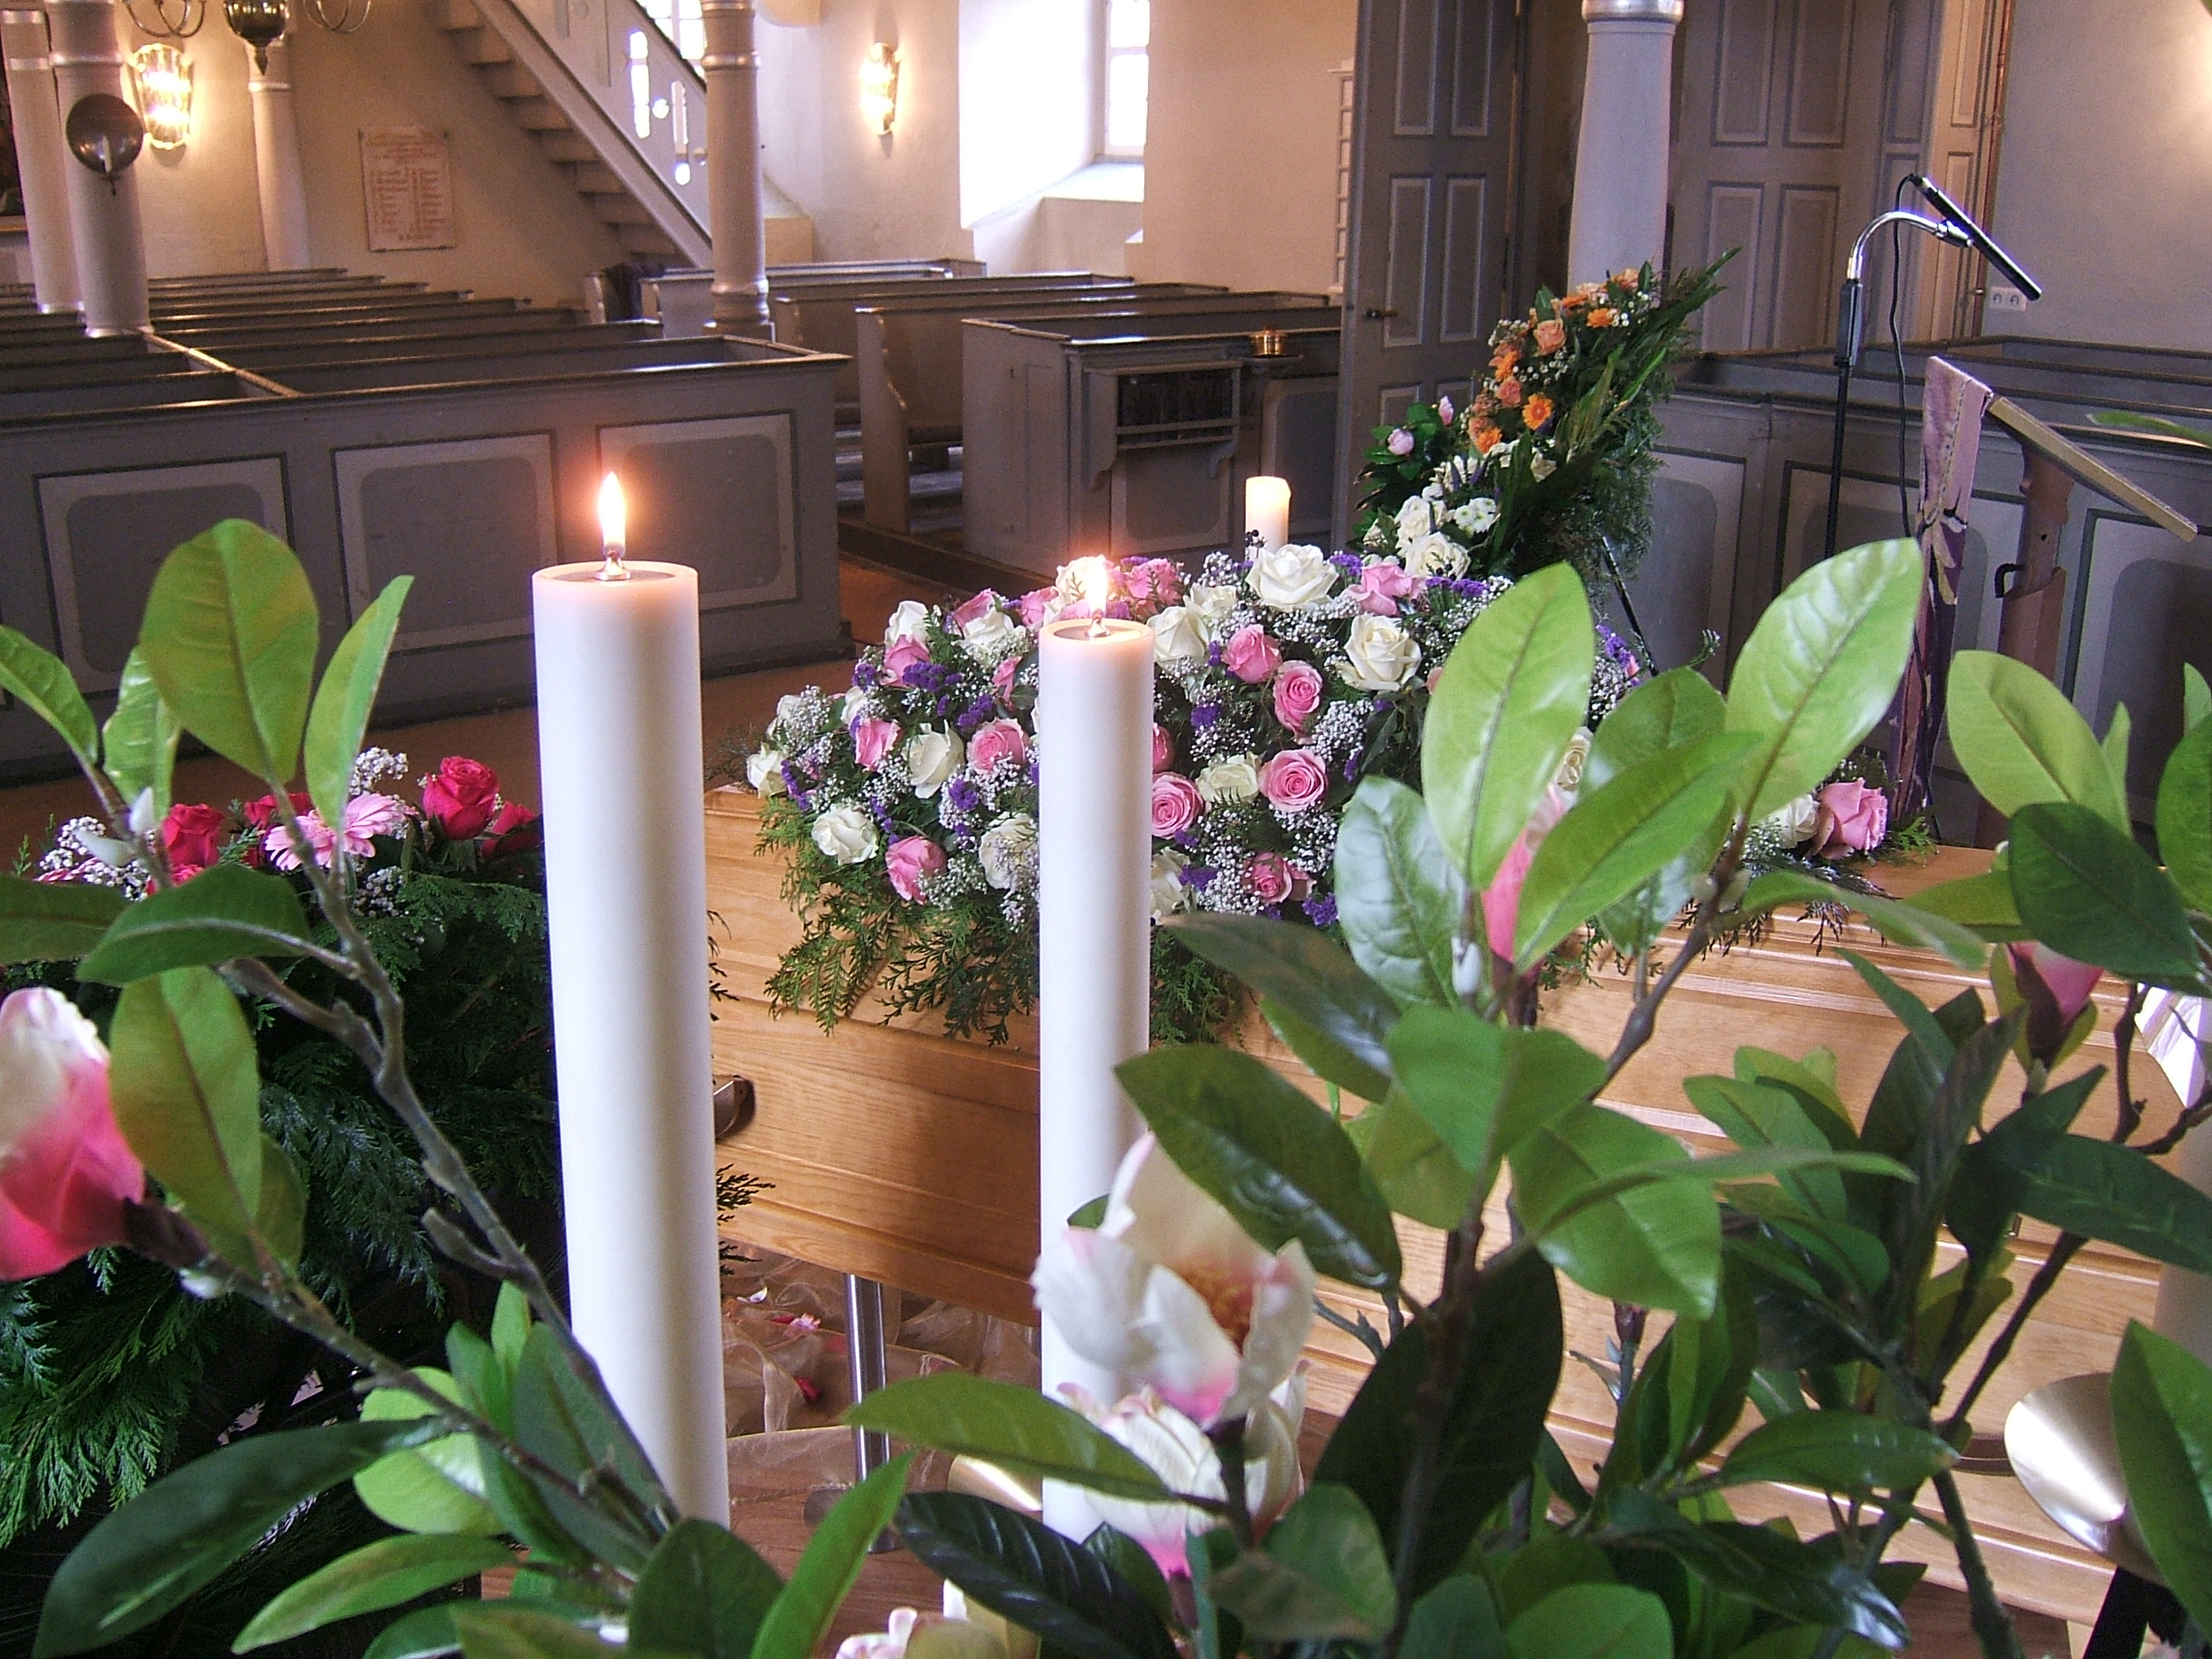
pixel 1176 1450
pixel 1379 655
pixel 1008 851
pixel 1292 576
pixel 1232 778
pixel 989 636
pixel 1177 636
pixel 764 771
pixel 846 834
pixel 931 757
pixel 1400 442
pixel 1168 894
pixel 2056 989
pixel 65 1173
pixel 1416 517
pixel 1434 554
pixel 909 621
pixel 1211 604
pixel 1501 899
pixel 1169 1292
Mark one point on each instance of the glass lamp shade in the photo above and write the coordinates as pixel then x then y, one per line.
pixel 259 23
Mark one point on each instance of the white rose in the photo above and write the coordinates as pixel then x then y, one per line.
pixel 1008 852
pixel 1475 516
pixel 851 705
pixel 846 834
pixel 991 635
pixel 1086 581
pixel 1232 778
pixel 1379 655
pixel 931 757
pixel 1569 777
pixel 786 707
pixel 1434 554
pixel 1176 636
pixel 1212 606
pixel 1793 820
pixel 1168 896
pixel 764 771
pixel 1292 576
pixel 1416 518
pixel 1541 466
pixel 909 622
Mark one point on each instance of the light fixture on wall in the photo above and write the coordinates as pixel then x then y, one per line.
pixel 259 23
pixel 880 85
pixel 162 77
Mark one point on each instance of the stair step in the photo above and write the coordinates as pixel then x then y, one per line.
pixel 539 115
pixel 482 47
pixel 623 209
pixel 567 145
pixel 595 178
pixel 644 239
pixel 513 80
pixel 458 14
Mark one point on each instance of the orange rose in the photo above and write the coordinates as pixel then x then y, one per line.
pixel 1537 412
pixel 1603 317
pixel 1627 279
pixel 1551 334
pixel 1485 405
pixel 1509 393
pixel 1485 439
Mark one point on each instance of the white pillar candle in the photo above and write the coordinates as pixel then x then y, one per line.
pixel 619 748
pixel 1268 509
pixel 1094 718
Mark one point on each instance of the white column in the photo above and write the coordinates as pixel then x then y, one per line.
pixel 732 67
pixel 276 158
pixel 104 222
pixel 1621 165
pixel 40 157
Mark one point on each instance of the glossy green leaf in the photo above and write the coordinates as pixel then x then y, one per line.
pixel 1994 1172
pixel 41 682
pixel 338 718
pixel 1668 711
pixel 1512 694
pixel 1323 1574
pixel 139 742
pixel 1619 834
pixel 384 1574
pixel 1323 1055
pixel 1134 1563
pixel 2116 1194
pixel 2022 743
pixel 570 1427
pixel 1215 1633
pixel 230 637
pixel 53 920
pixel 281 1216
pixel 2130 420
pixel 175 1536
pixel 1492 1429
pixel 1276 1161
pixel 2185 815
pixel 1820 667
pixel 1767 1114
pixel 703 1592
pixel 1028 1574
pixel 188 1092
pixel 1013 1428
pixel 1592 1621
pixel 2086 890
pixel 1412 1168
pixel 1900 924
pixel 1308 975
pixel 2162 1419
pixel 435 1487
pixel 426 1633
pixel 1983 904
pixel 225 912
pixel 1838 1451
pixel 800 1616
pixel 1398 899
pixel 508 1630
pixel 2196 697
pixel 1481 1086
pixel 1658 1245
pixel 2115 745
pixel 1457 1620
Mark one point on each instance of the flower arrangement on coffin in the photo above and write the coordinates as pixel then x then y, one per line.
pixel 509 1455
pixel 1552 461
pixel 1825 1333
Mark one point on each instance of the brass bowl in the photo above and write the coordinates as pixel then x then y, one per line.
pixel 2060 1441
pixel 1269 343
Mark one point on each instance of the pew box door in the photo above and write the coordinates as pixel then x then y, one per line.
pixel 1432 169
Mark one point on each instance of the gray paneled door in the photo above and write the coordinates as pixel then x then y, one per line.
pixel 1431 179
pixel 1776 152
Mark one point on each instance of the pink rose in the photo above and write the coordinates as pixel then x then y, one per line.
pixel 1852 818
pixel 1293 780
pixel 1381 585
pixel 911 863
pixel 1156 582
pixel 1002 677
pixel 1251 655
pixel 902 654
pixel 502 834
pixel 460 797
pixel 984 601
pixel 1163 748
pixel 1034 606
pixel 872 737
pixel 1274 878
pixel 998 741
pixel 192 835
pixel 1297 692
pixel 66 1174
pixel 1176 804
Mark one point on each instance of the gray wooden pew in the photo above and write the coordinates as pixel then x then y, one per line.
pixel 218 340
pixel 276 360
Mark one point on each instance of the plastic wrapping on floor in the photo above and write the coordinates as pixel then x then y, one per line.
pixel 786 1379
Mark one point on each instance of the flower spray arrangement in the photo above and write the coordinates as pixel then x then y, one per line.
pixel 1813 1334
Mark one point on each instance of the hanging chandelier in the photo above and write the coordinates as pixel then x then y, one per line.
pixel 259 23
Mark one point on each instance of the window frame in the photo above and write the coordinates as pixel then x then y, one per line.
pixel 1108 53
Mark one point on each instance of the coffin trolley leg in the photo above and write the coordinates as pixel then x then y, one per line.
pixel 868 1359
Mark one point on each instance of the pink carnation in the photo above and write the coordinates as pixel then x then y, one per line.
pixel 998 741
pixel 911 862
pixel 902 654
pixel 1297 690
pixel 1274 878
pixel 1163 748
pixel 1293 780
pixel 872 737
pixel 1852 818
pixel 1176 804
pixel 1381 585
pixel 1251 655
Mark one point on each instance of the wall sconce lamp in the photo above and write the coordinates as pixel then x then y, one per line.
pixel 880 80
pixel 162 76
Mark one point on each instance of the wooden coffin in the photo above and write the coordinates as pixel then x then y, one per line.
pixel 891 1152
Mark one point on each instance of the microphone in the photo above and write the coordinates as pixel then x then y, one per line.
pixel 1983 243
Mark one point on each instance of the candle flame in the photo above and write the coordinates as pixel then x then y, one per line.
pixel 614 527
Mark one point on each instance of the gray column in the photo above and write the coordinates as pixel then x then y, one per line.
pixel 1620 166
pixel 276 158
pixel 40 157
pixel 733 167
pixel 104 222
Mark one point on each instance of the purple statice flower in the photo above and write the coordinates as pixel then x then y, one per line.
pixel 1204 715
pixel 1321 912
pixel 1213 654
pixel 975 714
pixel 962 795
pixel 1198 877
pixel 866 675
pixel 1347 563
pixel 1618 650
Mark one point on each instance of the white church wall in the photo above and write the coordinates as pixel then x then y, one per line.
pixel 198 204
pixel 1240 160
pixel 2104 176
pixel 1029 110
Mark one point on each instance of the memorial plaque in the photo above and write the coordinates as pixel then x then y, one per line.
pixel 407 188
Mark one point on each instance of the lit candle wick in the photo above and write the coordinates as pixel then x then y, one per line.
pixel 614 516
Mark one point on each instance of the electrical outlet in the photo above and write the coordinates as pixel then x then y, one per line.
pixel 2003 296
